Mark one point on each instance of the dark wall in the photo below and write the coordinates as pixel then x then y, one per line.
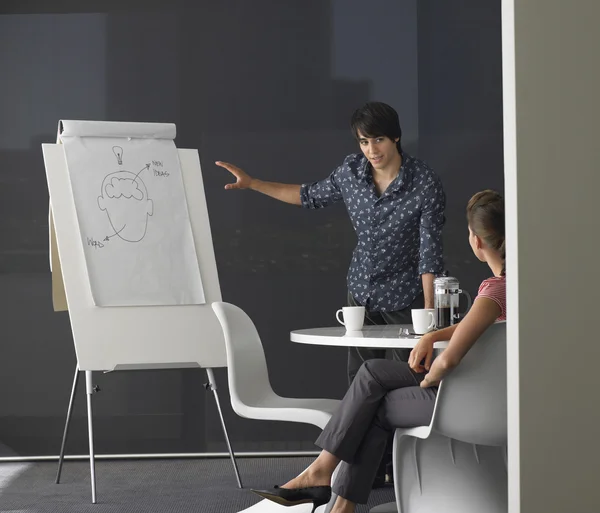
pixel 460 114
pixel 270 86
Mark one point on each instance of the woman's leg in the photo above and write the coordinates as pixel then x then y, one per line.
pixel 318 473
pixel 346 430
pixel 343 434
pixel 403 407
pixel 358 431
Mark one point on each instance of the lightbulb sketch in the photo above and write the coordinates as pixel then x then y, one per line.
pixel 118 151
pixel 124 198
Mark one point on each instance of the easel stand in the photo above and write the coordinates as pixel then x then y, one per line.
pixel 132 337
pixel 91 389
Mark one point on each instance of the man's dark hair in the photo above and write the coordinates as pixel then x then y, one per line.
pixel 375 119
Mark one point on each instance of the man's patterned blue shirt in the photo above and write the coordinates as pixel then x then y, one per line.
pixel 399 233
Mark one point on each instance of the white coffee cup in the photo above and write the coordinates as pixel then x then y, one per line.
pixel 423 320
pixel 354 317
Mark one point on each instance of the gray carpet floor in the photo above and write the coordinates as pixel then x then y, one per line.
pixel 148 486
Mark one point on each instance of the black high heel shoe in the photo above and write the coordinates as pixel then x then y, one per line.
pixel 318 495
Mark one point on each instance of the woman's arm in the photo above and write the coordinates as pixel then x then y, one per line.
pixel 422 354
pixel 484 313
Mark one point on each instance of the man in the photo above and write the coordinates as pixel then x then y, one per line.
pixel 396 204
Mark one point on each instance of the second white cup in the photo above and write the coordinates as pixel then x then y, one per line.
pixel 423 320
pixel 354 317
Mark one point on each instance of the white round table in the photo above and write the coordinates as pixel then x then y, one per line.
pixel 380 337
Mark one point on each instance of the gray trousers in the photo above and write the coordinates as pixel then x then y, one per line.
pixel 358 355
pixel 384 395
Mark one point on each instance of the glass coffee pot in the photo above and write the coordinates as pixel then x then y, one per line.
pixel 446 300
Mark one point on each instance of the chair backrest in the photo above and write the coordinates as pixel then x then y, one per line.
pixel 247 372
pixel 471 402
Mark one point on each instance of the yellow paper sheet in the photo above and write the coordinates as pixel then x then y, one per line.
pixel 59 298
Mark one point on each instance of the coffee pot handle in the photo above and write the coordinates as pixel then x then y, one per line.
pixel 469 301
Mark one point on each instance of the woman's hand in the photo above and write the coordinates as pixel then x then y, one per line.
pixel 481 316
pixel 423 350
pixel 439 369
pixel 429 382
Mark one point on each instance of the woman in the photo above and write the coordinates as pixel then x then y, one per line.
pixel 389 394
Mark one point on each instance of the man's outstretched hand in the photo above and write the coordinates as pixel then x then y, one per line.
pixel 243 180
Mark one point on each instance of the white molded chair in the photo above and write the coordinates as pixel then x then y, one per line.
pixel 457 464
pixel 251 394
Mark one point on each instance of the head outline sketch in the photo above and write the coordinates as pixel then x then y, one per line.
pixel 133 226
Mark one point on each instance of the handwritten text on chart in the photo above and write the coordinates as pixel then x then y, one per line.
pixel 157 166
pixel 94 243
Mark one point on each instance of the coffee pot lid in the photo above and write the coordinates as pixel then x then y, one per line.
pixel 446 282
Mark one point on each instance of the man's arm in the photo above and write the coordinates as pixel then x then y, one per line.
pixel 311 195
pixel 288 193
pixel 428 289
pixel 431 250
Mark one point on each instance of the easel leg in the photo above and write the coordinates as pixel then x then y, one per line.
pixel 67 422
pixel 89 390
pixel 212 386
